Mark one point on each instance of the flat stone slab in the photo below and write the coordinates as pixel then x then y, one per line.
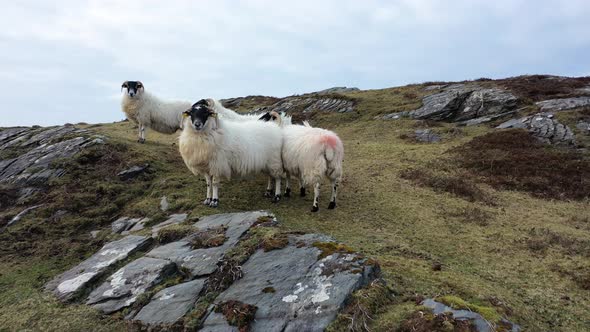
pixel 69 283
pixel 172 219
pixel 170 304
pixel 563 104
pixel 292 289
pixel 204 261
pixel 124 223
pixel 123 287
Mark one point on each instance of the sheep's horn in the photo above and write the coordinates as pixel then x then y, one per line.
pixel 276 116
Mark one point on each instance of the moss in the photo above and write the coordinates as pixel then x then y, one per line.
pixel 425 321
pixel 237 314
pixel 329 248
pixel 455 302
pixel 362 306
pixel 174 233
pixel 267 290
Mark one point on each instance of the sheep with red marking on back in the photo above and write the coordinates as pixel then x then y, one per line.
pixel 311 154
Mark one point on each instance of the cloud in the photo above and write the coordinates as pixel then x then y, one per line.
pixel 193 49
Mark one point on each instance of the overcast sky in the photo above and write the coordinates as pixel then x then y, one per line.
pixel 64 61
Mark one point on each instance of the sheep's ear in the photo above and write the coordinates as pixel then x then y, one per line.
pixel 265 117
pixel 124 85
pixel 186 114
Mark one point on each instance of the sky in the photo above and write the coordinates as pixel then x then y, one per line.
pixel 64 61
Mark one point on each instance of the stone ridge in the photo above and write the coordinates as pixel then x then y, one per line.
pixel 299 286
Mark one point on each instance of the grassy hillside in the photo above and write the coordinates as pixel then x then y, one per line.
pixel 414 207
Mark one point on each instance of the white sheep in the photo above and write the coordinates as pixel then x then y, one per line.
pixel 148 111
pixel 220 148
pixel 311 154
pixel 226 113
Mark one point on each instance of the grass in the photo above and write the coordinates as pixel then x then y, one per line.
pixel 405 226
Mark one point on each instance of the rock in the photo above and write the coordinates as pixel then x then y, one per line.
pixel 444 105
pixel 486 102
pixel 164 204
pixel 172 220
pixel 338 89
pixel 480 323
pixel 124 224
pixel 394 116
pixel 485 119
pixel 203 261
pixel 299 287
pixel 21 214
pixel 94 234
pixel 584 127
pixel 137 227
pixel 170 304
pixel 555 105
pixel 292 289
pixel 311 103
pixel 426 136
pixel 545 128
pixel 124 286
pixel 461 102
pixel 71 282
pixel 132 172
pixel 435 87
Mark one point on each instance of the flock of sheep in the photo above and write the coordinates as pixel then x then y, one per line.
pixel 217 142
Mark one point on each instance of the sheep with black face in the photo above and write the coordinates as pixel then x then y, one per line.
pixel 149 111
pixel 218 148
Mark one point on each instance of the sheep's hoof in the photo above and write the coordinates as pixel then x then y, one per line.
pixel 141 140
pixel 268 194
pixel 276 199
pixel 214 203
pixel 315 209
pixel 288 192
pixel 302 192
pixel 332 205
pixel 207 201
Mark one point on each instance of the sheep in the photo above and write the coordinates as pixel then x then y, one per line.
pixel 148 111
pixel 226 113
pixel 311 153
pixel 219 148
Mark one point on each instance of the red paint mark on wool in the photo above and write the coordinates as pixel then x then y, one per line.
pixel 331 140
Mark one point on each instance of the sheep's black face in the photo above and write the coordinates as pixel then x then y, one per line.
pixel 132 88
pixel 199 113
pixel 268 117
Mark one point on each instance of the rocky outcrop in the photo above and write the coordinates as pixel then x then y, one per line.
pixel 338 89
pixel 555 105
pixel 461 102
pixel 308 104
pixel 132 172
pixel 73 281
pixel 296 284
pixel 26 154
pixel 545 128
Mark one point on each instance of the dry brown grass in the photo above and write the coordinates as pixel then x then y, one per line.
pixel 542 87
pixel 513 159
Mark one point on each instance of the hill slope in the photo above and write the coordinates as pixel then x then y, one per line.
pixel 510 234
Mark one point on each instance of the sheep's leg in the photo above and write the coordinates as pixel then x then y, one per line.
pixel 316 197
pixel 301 188
pixel 288 185
pixel 141 134
pixel 207 200
pixel 268 192
pixel 335 184
pixel 277 197
pixel 215 192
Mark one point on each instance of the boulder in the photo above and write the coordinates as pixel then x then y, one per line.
pixel 563 104
pixel 70 283
pixel 545 128
pixel 445 105
pixel 426 136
